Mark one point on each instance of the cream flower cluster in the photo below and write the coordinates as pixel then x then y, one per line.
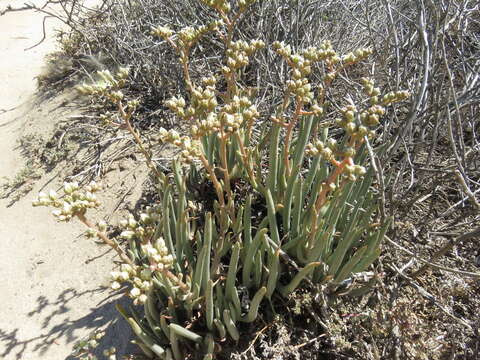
pixel 301 64
pixel 356 56
pixel 329 150
pixel 140 278
pixel 239 52
pixel 319 148
pixel 237 112
pixel 351 124
pixel 190 148
pixel 203 100
pixel 142 229
pixel 394 96
pixel 74 202
pixel 354 171
pixel 159 256
pixel 324 52
pixel 204 109
pixel 219 5
pixel 108 85
pixel 301 69
pixel 206 126
pixel 187 36
pixel 359 123
pixel 244 4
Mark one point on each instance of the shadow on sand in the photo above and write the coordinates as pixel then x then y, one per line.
pixel 103 316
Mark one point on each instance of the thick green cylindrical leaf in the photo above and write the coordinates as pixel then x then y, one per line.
pixel 273 268
pixel 312 173
pixel 209 304
pixel 177 354
pixel 322 239
pixel 253 311
pixel 232 272
pixel 151 314
pixel 199 268
pixel 247 225
pixel 251 251
pixel 302 274
pixel 258 268
pixel 302 140
pixel 209 346
pixel 208 246
pixel 272 220
pixel 164 326
pixel 288 200
pixel 222 332
pixel 231 328
pixel 273 159
pixel 348 267
pixel 185 333
pixel 336 259
pixel 142 335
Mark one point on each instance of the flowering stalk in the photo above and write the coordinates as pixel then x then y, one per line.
pixel 102 236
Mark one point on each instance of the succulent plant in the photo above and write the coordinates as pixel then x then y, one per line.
pixel 189 263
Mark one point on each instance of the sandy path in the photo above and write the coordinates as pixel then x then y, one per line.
pixel 51 279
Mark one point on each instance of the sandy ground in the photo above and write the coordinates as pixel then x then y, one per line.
pixel 53 280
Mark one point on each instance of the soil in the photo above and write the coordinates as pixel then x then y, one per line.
pixel 54 281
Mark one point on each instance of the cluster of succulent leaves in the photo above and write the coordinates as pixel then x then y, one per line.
pixel 292 206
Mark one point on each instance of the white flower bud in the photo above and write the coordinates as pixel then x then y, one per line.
pixel 137 282
pixel 67 208
pixel 142 299
pixel 42 196
pixel 146 285
pixel 70 187
pixel 360 170
pixel 145 218
pixel 67 188
pixel 123 276
pixel 132 224
pixel 52 195
pixel 135 292
pixel 57 213
pixel 127 234
pixel 168 259
pixel 90 197
pixel 102 225
pixel 90 233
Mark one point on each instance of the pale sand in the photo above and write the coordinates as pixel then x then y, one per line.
pixel 51 279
